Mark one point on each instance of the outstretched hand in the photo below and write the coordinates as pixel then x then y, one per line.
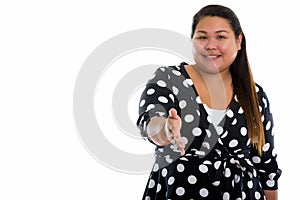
pixel 173 126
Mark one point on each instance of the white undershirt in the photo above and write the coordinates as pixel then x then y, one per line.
pixel 216 115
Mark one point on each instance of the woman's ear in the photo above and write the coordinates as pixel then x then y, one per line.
pixel 239 41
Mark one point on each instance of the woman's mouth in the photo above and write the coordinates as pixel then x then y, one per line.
pixel 212 57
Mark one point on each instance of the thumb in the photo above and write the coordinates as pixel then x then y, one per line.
pixel 173 113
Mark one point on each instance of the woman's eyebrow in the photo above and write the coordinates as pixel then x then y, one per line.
pixel 218 31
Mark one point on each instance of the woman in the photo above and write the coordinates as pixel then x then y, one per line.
pixel 210 122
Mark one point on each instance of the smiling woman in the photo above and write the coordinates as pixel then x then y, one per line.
pixel 231 154
pixel 214 40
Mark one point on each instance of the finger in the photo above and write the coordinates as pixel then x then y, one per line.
pixel 178 145
pixel 173 113
pixel 181 145
pixel 181 149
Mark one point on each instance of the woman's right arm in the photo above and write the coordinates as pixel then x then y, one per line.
pixel 156 131
pixel 164 131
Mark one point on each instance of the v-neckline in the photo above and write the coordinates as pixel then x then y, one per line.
pixel 184 71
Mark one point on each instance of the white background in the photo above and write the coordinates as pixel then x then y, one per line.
pixel 43 45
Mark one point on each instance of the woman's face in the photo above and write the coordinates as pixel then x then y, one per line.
pixel 215 45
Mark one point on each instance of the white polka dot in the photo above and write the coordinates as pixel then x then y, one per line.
pixel 268 126
pixel 267 161
pixel 243 131
pixel 243 195
pixel 200 153
pixel 235 98
pixel 203 192
pixel 161 83
pixel 168 159
pixel 254 173
pixel 158 188
pixel 171 180
pixel 164 172
pixel 219 130
pixel 229 113
pixel 248 141
pixel 262 118
pixel 196 131
pixel 208 133
pixel 147 198
pixel 272 175
pixel 207 162
pixel 162 99
pixel 184 158
pixel 241 111
pixel 265 102
pixel 182 104
pixel 209 119
pixel 198 100
pixel 180 191
pixel 150 91
pixel 177 73
pixel 142 102
pixel 270 183
pixel 203 168
pixel 225 134
pixel 237 178
pixel 185 84
pixel 151 183
pixel 257 195
pixel 233 161
pixel 206 145
pixel 188 118
pixel 180 167
pixel 220 141
pixel 250 184
pixel 150 106
pixel 155 167
pixel 162 69
pixel 217 164
pixel 216 183
pixel 189 81
pixel 234 122
pixel 260 108
pixel 227 172
pixel 175 90
pixel 266 147
pixel 172 97
pixel 233 143
pixel 241 155
pixel 184 140
pixel 226 196
pixel 256 159
pixel 192 179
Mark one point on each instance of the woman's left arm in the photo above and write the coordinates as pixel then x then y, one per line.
pixel 271 194
pixel 266 164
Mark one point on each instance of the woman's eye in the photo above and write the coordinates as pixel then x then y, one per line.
pixel 220 37
pixel 202 37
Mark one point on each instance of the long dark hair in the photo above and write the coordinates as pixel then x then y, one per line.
pixel 242 79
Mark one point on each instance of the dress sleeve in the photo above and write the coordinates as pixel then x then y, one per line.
pixel 156 99
pixel 266 164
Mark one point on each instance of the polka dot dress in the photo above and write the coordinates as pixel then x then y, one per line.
pixel 220 162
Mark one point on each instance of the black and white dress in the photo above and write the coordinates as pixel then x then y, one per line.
pixel 220 162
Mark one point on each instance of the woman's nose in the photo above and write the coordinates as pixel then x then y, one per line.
pixel 210 44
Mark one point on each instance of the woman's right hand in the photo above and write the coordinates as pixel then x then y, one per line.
pixel 172 130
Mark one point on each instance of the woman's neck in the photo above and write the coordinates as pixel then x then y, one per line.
pixel 214 89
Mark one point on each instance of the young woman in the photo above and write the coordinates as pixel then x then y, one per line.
pixel 210 122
